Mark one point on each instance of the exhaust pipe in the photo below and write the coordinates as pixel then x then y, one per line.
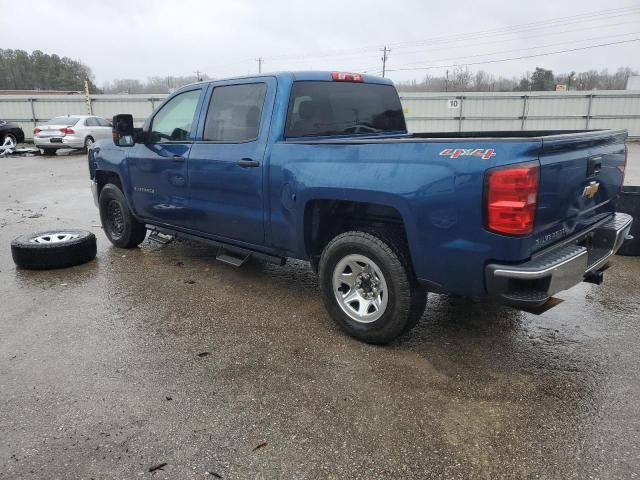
pixel 595 277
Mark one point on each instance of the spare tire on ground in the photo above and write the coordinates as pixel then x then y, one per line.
pixel 53 249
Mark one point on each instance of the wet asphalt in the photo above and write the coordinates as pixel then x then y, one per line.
pixel 163 355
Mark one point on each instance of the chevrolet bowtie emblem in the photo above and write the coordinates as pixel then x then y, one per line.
pixel 591 190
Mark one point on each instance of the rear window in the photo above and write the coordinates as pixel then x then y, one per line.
pixel 343 108
pixel 66 121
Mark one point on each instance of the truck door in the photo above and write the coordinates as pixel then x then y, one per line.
pixel 226 164
pixel 158 168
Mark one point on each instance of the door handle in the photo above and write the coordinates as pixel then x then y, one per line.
pixel 247 162
pixel 178 158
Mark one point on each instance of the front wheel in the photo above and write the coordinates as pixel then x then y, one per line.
pixel 119 224
pixel 367 287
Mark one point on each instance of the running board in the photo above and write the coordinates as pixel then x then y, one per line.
pixel 230 254
pixel 224 257
pixel 161 238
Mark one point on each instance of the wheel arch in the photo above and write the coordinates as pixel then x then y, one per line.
pixel 325 218
pixel 103 177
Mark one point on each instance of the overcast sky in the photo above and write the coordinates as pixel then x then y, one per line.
pixel 138 39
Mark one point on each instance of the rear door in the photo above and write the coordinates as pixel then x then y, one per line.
pixel 580 178
pixel 226 166
pixel 103 130
pixel 91 128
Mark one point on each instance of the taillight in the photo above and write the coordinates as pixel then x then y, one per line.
pixel 511 196
pixel 67 131
pixel 36 131
pixel 346 77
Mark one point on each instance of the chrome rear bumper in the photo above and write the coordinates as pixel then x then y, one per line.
pixel 559 267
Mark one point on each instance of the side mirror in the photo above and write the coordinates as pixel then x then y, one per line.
pixel 122 130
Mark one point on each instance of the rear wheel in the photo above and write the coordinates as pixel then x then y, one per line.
pixel 119 224
pixel 88 143
pixel 368 288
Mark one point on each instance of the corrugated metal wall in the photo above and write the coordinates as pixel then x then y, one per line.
pixel 30 111
pixel 435 112
pixel 449 112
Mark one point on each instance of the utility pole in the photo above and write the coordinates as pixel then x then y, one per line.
pixel 259 60
pixel 198 77
pixel 446 82
pixel 384 59
pixel 87 97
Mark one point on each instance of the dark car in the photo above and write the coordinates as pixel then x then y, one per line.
pixel 10 134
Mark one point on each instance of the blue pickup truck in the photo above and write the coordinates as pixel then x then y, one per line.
pixel 320 166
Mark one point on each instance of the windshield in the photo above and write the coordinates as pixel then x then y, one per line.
pixel 319 108
pixel 66 121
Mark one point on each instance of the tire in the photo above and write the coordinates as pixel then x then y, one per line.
pixel 88 144
pixel 387 274
pixel 53 249
pixel 119 224
pixel 10 140
pixel 48 152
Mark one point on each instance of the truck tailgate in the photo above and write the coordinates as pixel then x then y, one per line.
pixel 581 175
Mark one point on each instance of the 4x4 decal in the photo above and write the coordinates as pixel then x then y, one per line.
pixel 485 154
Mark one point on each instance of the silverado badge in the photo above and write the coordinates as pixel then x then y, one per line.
pixel 591 190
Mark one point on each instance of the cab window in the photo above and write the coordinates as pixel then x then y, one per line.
pixel 173 121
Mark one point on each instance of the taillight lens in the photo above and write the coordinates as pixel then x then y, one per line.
pixel 511 196
pixel 67 131
pixel 346 77
pixel 36 131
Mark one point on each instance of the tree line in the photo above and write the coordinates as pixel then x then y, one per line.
pixel 151 85
pixel 464 80
pixel 20 70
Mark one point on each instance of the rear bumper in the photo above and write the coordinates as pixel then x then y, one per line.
pixel 68 141
pixel 559 267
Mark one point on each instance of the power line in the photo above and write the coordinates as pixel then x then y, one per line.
pixel 520 37
pixel 553 22
pixel 514 58
pixel 475 44
pixel 518 28
pixel 602 37
pixel 542 24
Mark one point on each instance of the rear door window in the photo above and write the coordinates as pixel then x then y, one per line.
pixel 319 108
pixel 234 113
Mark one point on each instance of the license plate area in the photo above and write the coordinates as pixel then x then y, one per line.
pixel 55 140
pixel 598 244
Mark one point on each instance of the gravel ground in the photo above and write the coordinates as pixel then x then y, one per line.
pixel 163 355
